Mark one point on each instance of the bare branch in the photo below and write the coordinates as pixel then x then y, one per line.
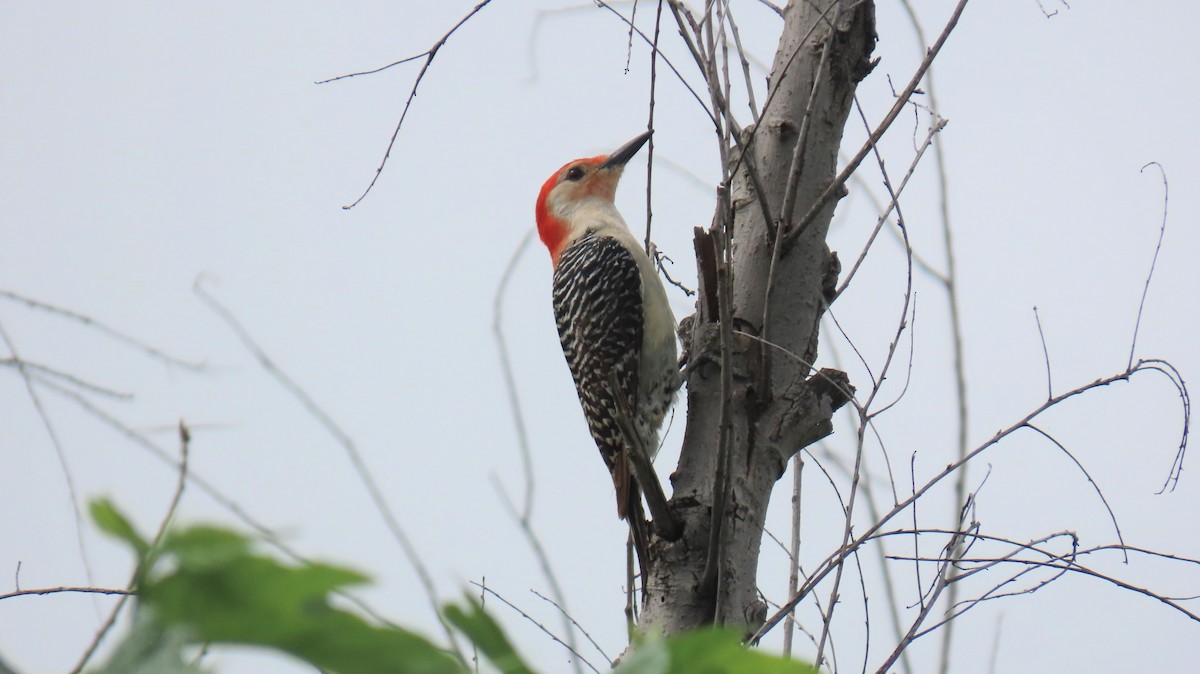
pixel 146 562
pixel 579 627
pixel 877 134
pixel 38 372
pixel 535 544
pixel 1111 515
pixel 659 258
pixel 540 626
pixel 1162 231
pixel 650 119
pixel 934 129
pixel 203 484
pixel 678 75
pixel 794 550
pixel 1185 399
pixel 1049 14
pixel 1045 354
pixel 98 326
pixel 510 381
pixel 59 590
pixel 428 56
pixel 737 41
pixel 950 283
pixel 351 450
pixel 861 186
pixel 1060 564
pixel 373 71
pixel 832 562
pixel 59 451
pixel 773 7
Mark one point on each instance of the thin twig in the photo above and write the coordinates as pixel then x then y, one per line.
pixel 535 544
pixel 941 582
pixel 737 41
pixel 909 296
pixel 510 380
pixel 98 326
pixel 659 258
pixel 540 626
pixel 835 186
pixel 1045 354
pixel 912 348
pixel 145 564
pixel 429 56
pixel 1095 487
pixel 889 584
pixel 678 75
pixel 59 451
pixel 837 557
pixel 1185 399
pixel 861 186
pixel 995 658
pixel 934 129
pixel 1162 231
pixel 352 453
pixel 57 590
pixel 1061 564
pixel 482 604
pixel 650 120
pixel 1047 14
pixel 950 283
pixel 524 519
pixel 773 7
pixel 865 416
pixel 847 530
pixel 208 487
pixel 576 624
pixel 794 551
pixel 629 38
pixel 39 372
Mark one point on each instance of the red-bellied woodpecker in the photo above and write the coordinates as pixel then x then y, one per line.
pixel 613 318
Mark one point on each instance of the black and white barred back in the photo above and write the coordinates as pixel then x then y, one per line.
pixel 598 308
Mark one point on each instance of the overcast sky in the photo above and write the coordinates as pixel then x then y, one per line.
pixel 147 147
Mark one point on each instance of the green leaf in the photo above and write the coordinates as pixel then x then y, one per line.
pixel 715 651
pixel 486 634
pixel 113 523
pixel 205 547
pixel 233 597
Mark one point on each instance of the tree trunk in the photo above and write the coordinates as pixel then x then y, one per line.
pixel 762 403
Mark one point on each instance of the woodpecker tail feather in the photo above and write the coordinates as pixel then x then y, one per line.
pixel 624 483
pixel 630 509
pixel 636 517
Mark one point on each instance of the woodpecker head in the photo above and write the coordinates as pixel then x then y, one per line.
pixel 576 184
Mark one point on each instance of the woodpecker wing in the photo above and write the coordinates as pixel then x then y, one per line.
pixel 598 309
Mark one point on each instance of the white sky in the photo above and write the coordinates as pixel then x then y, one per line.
pixel 146 145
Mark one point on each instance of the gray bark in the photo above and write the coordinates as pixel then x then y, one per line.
pixel 772 402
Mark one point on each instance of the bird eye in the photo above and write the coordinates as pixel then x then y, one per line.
pixel 575 174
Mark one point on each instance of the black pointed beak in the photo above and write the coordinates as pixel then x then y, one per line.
pixel 626 152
